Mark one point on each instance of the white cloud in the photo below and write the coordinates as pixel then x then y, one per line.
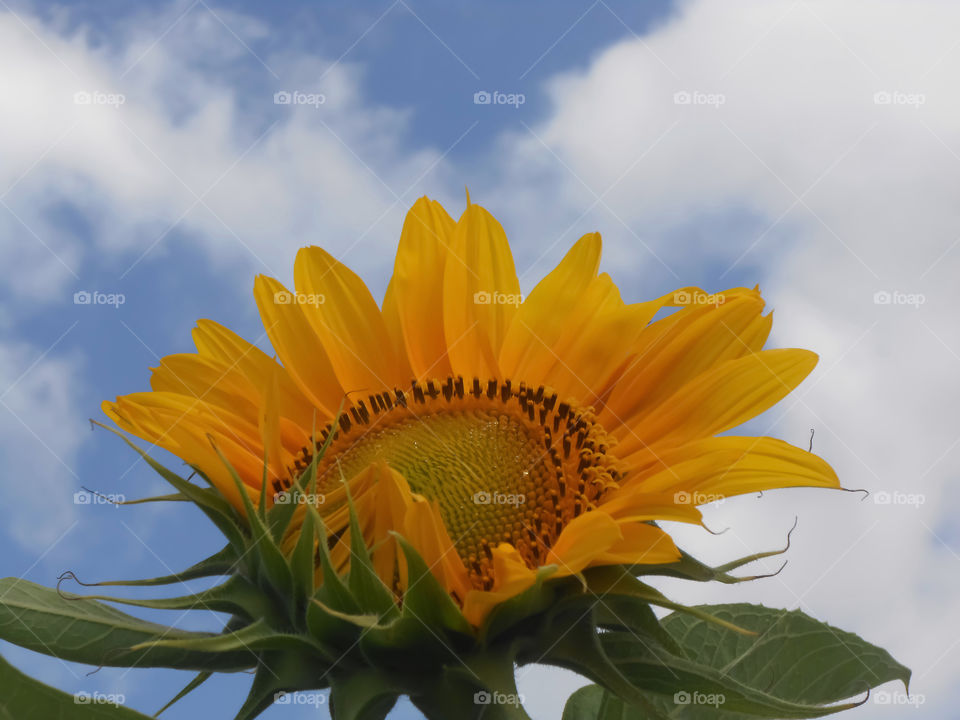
pixel 40 426
pixel 161 140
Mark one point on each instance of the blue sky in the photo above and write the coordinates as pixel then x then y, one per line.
pixel 786 169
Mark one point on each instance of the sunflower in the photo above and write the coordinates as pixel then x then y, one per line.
pixel 499 435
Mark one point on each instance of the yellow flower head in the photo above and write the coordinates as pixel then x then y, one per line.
pixel 497 434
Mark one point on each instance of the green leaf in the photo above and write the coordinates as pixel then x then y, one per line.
pixel 793 667
pixel 40 619
pixel 594 703
pixel 23 697
pixel 794 656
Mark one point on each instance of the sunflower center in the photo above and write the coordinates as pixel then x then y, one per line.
pixel 504 463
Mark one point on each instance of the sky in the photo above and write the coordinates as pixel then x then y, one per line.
pixel 810 147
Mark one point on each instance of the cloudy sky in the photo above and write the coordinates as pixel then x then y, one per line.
pixel 810 147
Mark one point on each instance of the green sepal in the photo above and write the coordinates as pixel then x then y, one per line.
pixel 282 672
pixel 273 565
pixel 39 618
pixel 617 580
pixel 689 568
pixel 210 502
pixel 303 566
pixel 224 562
pixel 280 515
pixel 366 694
pixel 255 637
pixel 363 581
pixel 198 680
pixel 571 640
pixel 431 625
pixel 535 599
pixel 425 599
pixel 235 596
pixel 23 697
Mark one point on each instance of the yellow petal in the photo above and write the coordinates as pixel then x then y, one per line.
pixel 218 343
pixel 414 299
pixel 584 538
pixel 348 323
pixel 641 544
pixel 719 467
pixel 542 318
pixel 638 503
pixel 693 341
pixel 480 294
pixel 717 400
pixel 298 347
pixel 511 576
pixel 425 531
